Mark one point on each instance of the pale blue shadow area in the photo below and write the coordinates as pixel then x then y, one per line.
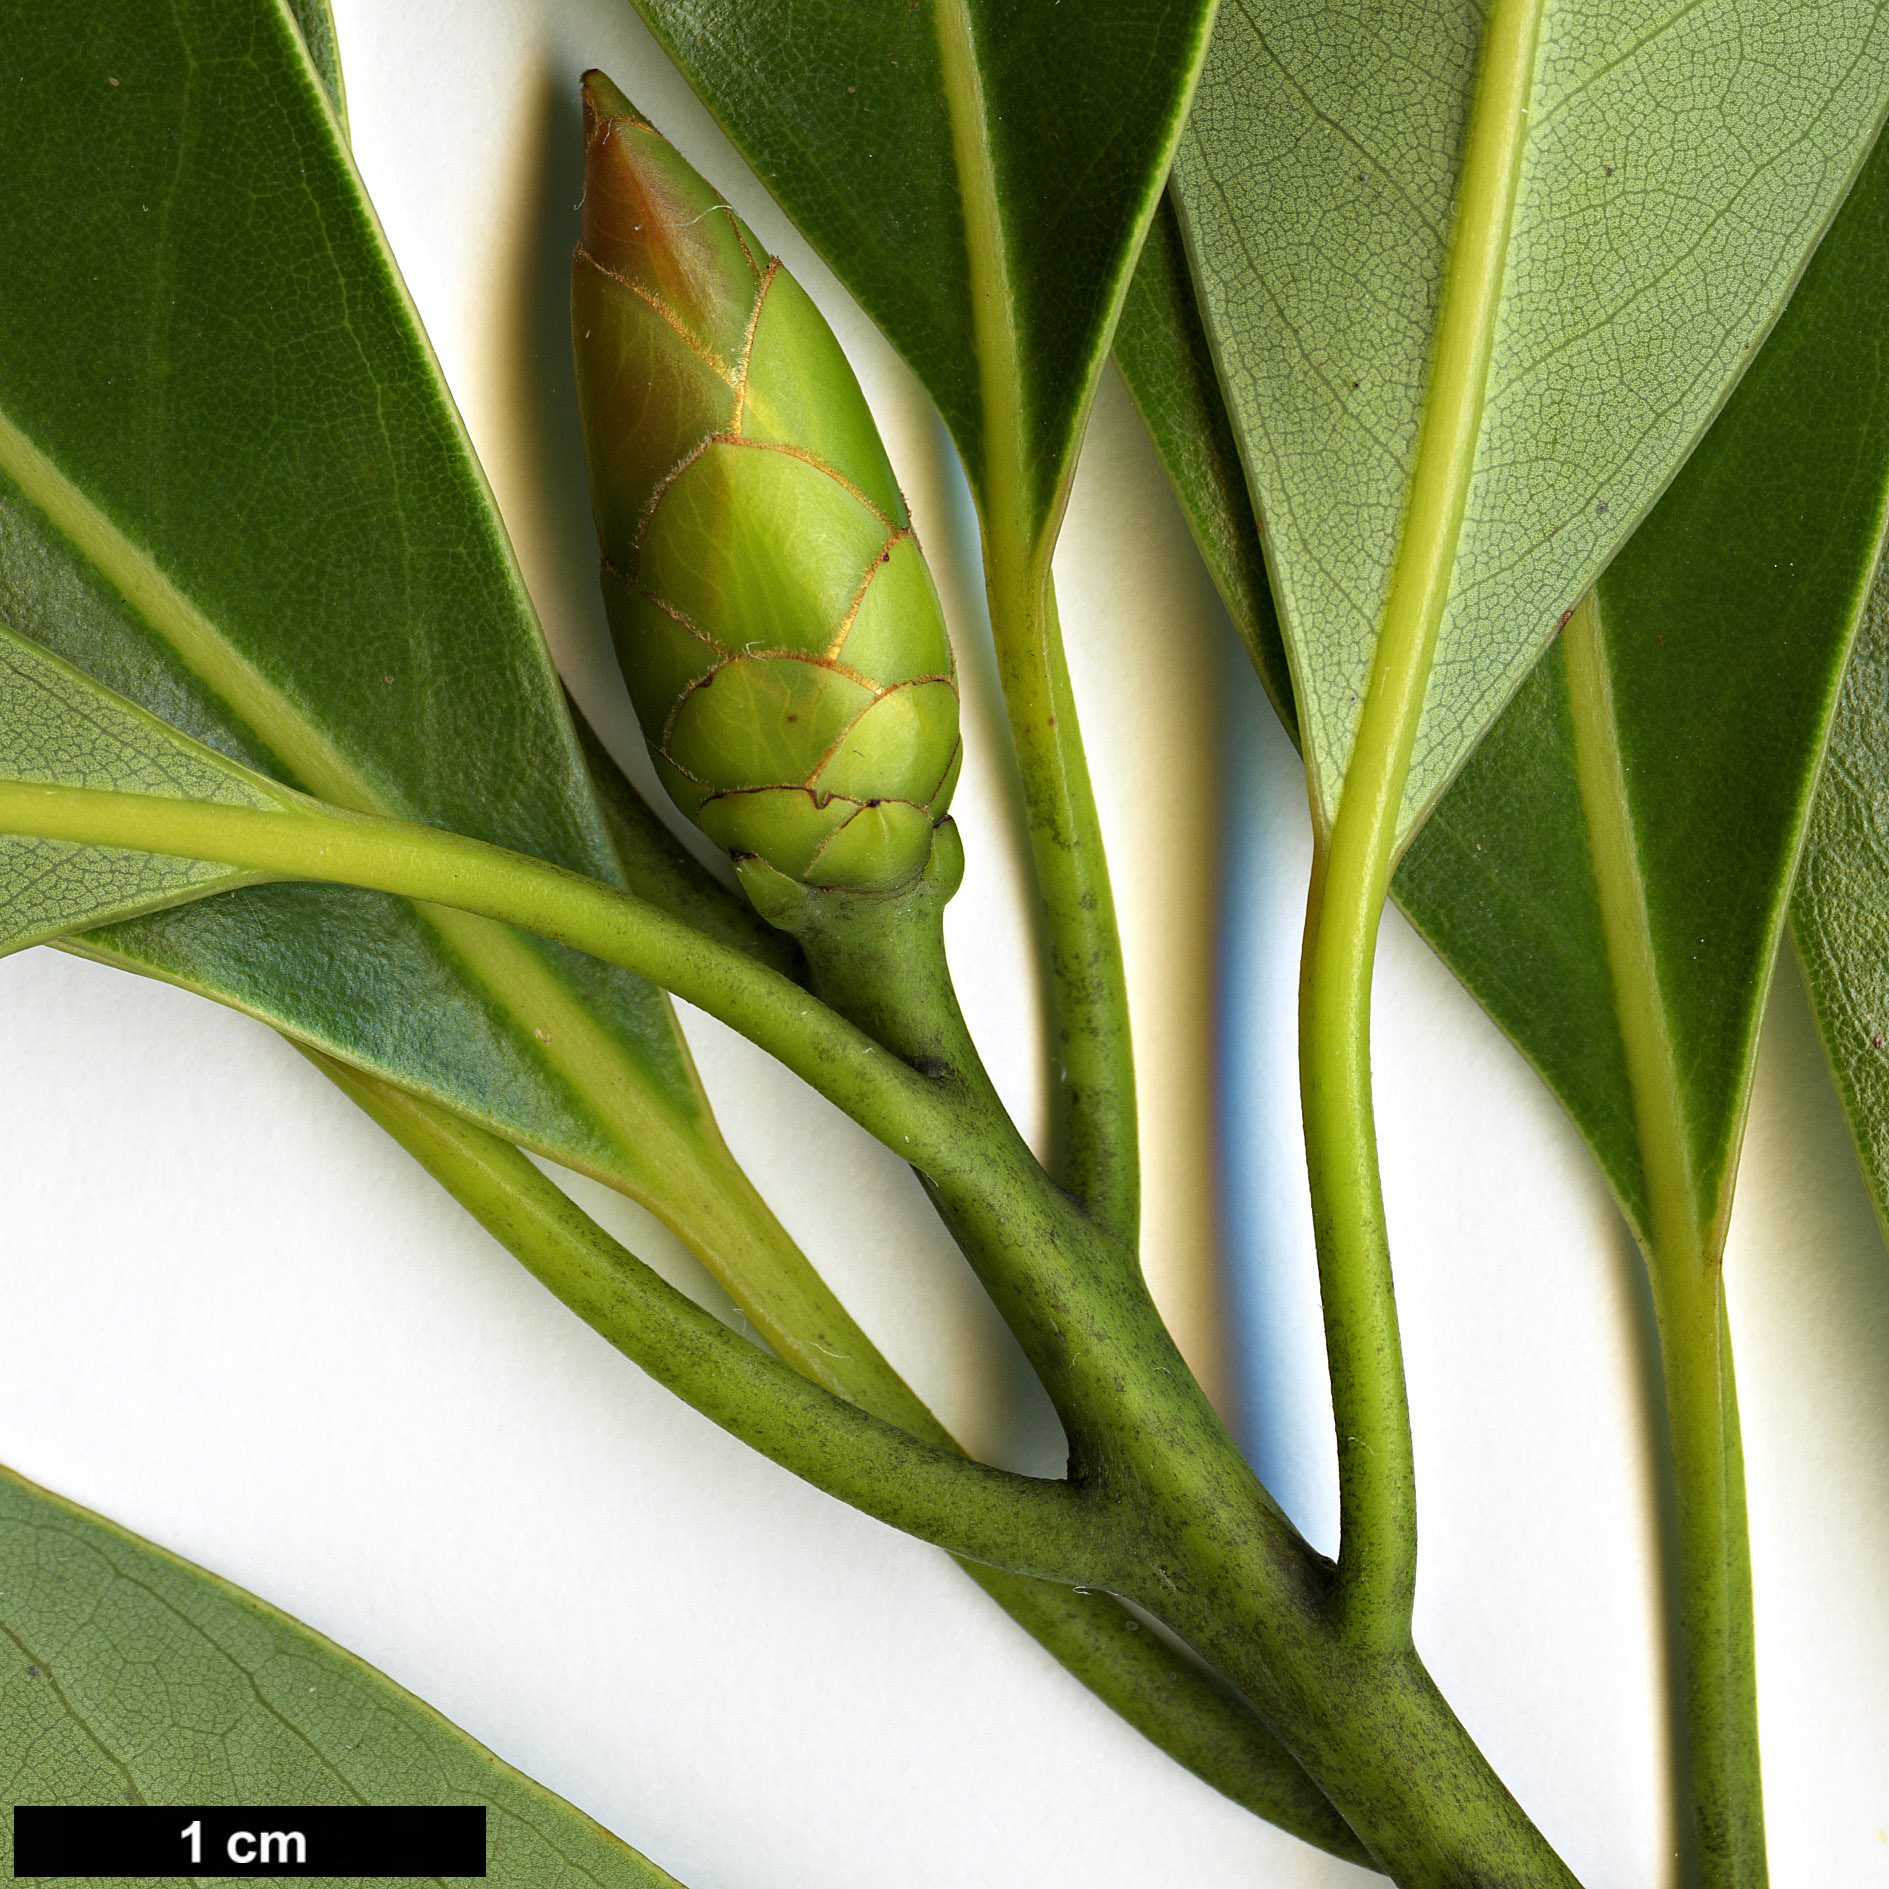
pixel 1276 1343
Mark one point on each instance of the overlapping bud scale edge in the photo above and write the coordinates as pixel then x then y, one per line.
pixel 773 615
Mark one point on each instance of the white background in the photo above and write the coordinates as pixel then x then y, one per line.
pixel 242 1322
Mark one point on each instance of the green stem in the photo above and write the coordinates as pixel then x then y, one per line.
pixel 1195 1717
pixel 1215 1557
pixel 727 1224
pixel 1719 1733
pixel 658 867
pixel 1719 1736
pixel 715 1210
pixel 1041 1528
pixel 1376 1471
pixel 731 1228
pixel 703 1195
pixel 1097 1157
pixel 1198 1721
pixel 1382 1741
pixel 307 840
pixel 1167 1513
pixel 1069 1289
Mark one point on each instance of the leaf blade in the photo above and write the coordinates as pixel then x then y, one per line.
pixel 1500 878
pixel 277 1714
pixel 1726 623
pixel 1839 913
pixel 1030 152
pixel 203 509
pixel 1298 131
pixel 62 728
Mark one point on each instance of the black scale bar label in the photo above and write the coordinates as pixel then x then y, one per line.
pixel 195 1840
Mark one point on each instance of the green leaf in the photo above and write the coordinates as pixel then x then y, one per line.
pixel 314 21
pixel 977 175
pixel 129 1676
pixel 60 726
pixel 233 488
pixel 1725 622
pixel 1679 169
pixel 1840 907
pixel 1725 619
pixel 1608 871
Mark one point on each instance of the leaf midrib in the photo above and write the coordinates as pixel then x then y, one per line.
pixel 993 299
pixel 1372 790
pixel 199 644
pixel 1002 481
pixel 1672 1235
pixel 585 1058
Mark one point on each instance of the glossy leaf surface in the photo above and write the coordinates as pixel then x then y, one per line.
pixel 127 1675
pixel 235 490
pixel 976 173
pixel 1680 166
pixel 1724 620
pixel 1840 907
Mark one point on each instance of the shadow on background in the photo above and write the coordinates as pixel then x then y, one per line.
pixel 1276 1336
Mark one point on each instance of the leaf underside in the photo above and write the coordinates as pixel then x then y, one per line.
pixel 1840 906
pixel 1681 164
pixel 1724 620
pixel 129 1676
pixel 61 727
pixel 1725 623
